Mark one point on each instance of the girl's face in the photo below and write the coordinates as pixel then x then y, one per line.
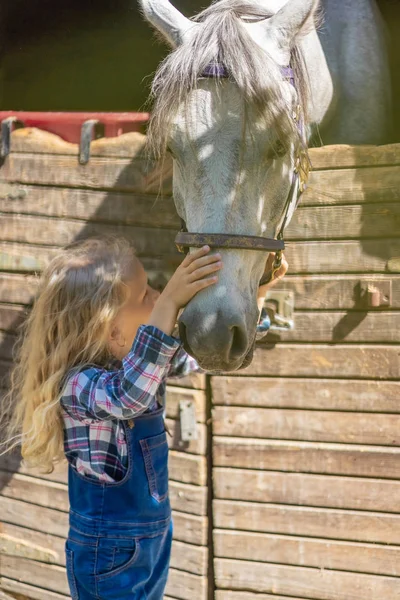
pixel 135 312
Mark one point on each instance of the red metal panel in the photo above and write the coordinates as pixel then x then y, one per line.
pixel 68 124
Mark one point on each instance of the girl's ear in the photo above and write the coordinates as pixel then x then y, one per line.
pixel 117 337
pixel 114 333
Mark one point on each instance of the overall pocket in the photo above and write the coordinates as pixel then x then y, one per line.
pixel 155 456
pixel 114 556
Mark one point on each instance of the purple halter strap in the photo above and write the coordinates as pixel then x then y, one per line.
pixel 219 70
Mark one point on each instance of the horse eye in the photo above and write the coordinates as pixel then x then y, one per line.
pixel 276 150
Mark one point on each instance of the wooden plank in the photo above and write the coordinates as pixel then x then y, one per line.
pixel 190 528
pixel 7 342
pixel 185 498
pixel 89 205
pixel 50 577
pixel 194 380
pixel 340 257
pixel 305 552
pixel 31 516
pixel 187 557
pixel 187 468
pixel 17 546
pixel 324 394
pixel 48 494
pixel 310 425
pixel 318 360
pixel 119 174
pixel 235 595
pixel 18 289
pixel 321 584
pixel 307 490
pixel 312 292
pixel 187 528
pixel 12 316
pixel 54 544
pixel 306 457
pixel 298 360
pixel 337 292
pixel 175 395
pixel 4 596
pixel 353 525
pixel 185 586
pixel 188 498
pixel 44 230
pixel 344 155
pixel 29 591
pixel 304 257
pixel 31 258
pixel 353 186
pixel 11 463
pixel 32 139
pixel 379 327
pixel 183 469
pixel 376 218
pixel 369 220
pixel 371 256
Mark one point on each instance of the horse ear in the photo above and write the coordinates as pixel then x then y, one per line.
pixel 293 19
pixel 167 20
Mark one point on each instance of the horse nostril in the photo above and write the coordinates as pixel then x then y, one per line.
pixel 239 342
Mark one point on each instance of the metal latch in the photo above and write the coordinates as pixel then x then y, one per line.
pixel 279 306
pixel 376 293
pixel 188 420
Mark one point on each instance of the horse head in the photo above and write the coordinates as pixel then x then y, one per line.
pixel 228 112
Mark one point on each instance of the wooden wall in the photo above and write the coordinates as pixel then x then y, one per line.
pixel 306 441
pixel 48 200
pixel 304 458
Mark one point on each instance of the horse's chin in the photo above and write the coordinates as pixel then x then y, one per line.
pixel 213 364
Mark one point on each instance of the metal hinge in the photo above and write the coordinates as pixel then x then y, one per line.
pixel 188 420
pixel 279 306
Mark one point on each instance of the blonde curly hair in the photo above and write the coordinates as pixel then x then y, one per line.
pixel 80 293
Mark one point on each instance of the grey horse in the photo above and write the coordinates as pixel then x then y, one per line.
pixel 235 136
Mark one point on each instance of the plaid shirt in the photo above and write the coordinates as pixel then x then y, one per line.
pixel 96 400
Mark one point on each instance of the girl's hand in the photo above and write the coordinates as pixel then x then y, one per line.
pixel 196 272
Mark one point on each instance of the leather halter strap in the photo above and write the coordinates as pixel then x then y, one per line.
pixel 184 239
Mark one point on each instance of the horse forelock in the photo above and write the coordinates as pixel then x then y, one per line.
pixel 221 36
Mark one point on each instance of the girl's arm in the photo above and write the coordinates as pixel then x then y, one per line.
pixel 129 391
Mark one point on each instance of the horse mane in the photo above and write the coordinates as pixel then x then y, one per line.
pixel 223 38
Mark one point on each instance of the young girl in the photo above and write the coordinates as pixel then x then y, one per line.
pixel 89 384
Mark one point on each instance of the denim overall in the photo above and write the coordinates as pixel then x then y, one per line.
pixel 120 534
